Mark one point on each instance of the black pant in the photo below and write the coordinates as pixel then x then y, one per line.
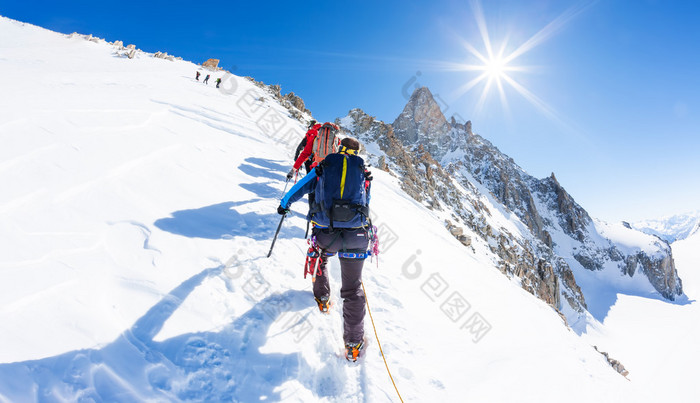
pixel 344 239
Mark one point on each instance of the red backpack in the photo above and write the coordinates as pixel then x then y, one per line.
pixel 326 142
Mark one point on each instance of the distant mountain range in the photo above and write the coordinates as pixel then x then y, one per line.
pixel 671 228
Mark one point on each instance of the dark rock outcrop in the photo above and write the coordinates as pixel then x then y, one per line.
pixel 617 365
pixel 292 102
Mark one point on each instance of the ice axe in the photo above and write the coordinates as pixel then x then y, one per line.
pixel 276 233
pixel 284 191
pixel 281 220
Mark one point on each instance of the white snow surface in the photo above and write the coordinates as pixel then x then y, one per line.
pixel 656 340
pixel 629 240
pixel 137 209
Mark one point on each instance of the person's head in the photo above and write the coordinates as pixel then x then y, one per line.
pixel 312 122
pixel 349 145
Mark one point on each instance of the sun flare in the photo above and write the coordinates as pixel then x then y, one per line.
pixel 494 64
pixel 495 67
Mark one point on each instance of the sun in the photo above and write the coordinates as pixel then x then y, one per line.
pixel 495 67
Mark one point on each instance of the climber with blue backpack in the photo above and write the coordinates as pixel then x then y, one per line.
pixel 339 214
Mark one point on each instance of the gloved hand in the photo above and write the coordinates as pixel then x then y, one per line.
pixel 291 174
pixel 368 175
pixel 282 211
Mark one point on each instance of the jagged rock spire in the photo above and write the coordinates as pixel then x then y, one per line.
pixel 423 123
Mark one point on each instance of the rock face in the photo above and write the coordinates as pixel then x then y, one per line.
pixel 660 270
pixel 422 123
pixel 427 181
pixel 444 164
pixel 617 365
pixel 293 103
pixel 212 64
pixel 295 100
pixel 164 55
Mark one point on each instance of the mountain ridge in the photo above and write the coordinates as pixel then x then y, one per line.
pixel 564 236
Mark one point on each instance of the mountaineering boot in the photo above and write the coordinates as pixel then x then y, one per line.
pixel 324 304
pixel 354 350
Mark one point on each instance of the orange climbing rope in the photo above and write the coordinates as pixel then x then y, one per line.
pixel 378 343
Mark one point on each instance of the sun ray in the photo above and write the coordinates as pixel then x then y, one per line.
pixel 475 52
pixel 550 29
pixel 484 94
pixel 502 50
pixel 481 24
pixel 502 95
pixel 533 99
pixel 468 86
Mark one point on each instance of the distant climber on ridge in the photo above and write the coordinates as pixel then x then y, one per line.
pixel 206 79
pixel 197 76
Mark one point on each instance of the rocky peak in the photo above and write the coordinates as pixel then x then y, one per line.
pixel 573 219
pixel 424 178
pixel 422 123
pixel 554 178
pixel 466 127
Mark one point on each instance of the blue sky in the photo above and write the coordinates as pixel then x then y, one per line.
pixel 618 81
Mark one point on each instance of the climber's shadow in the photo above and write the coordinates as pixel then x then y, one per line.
pixel 222 365
pixel 222 221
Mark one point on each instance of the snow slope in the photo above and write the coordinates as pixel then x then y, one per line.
pixel 137 208
pixel 656 340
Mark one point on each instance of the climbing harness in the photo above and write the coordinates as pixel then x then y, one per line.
pixel 373 242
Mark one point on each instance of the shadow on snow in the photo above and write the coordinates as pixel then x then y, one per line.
pixel 206 366
pixel 222 221
pixel 269 164
pixel 600 301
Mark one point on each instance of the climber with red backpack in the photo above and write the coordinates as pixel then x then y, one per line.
pixel 320 140
pixel 302 145
pixel 341 224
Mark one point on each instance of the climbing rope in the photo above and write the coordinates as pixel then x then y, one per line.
pixel 378 343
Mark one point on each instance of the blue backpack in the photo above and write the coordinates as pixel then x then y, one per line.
pixel 341 198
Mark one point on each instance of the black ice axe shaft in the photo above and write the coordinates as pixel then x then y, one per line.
pixel 276 233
